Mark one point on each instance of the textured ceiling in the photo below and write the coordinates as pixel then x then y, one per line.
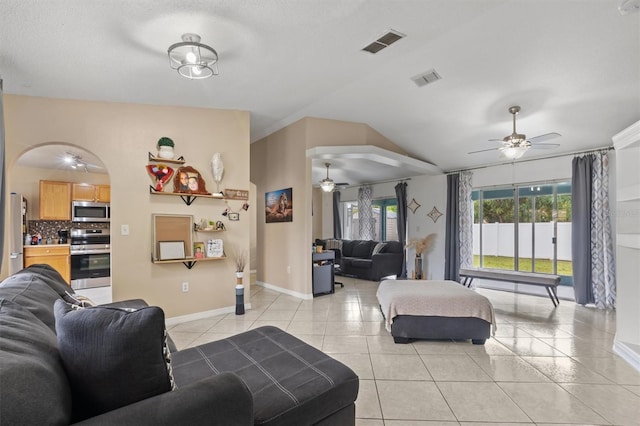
pixel 573 66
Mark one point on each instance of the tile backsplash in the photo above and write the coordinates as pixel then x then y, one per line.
pixel 50 228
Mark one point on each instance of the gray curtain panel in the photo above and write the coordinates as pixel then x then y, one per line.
pixel 3 192
pixel 337 224
pixel 452 237
pixel 401 195
pixel 581 228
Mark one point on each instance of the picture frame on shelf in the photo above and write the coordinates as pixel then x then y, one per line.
pixel 171 250
pixel 188 180
pixel 198 250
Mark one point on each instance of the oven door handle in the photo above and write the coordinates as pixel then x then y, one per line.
pixel 95 251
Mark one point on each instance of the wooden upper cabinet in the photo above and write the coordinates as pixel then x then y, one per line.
pixel 55 200
pixel 89 192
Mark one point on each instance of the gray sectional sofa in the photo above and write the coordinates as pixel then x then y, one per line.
pixel 366 259
pixel 62 363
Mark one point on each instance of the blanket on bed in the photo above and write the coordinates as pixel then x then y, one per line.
pixel 432 298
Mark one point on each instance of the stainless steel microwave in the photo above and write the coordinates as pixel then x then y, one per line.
pixel 89 211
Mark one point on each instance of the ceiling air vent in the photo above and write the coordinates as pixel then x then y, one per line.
pixel 383 41
pixel 426 77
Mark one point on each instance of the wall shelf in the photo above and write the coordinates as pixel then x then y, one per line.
pixel 187 198
pixel 189 263
pixel 179 160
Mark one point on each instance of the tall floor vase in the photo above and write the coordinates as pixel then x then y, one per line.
pixel 417 268
pixel 239 294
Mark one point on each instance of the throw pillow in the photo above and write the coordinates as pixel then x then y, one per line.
pixel 378 248
pixel 113 357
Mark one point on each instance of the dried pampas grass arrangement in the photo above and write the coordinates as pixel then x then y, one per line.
pixel 422 245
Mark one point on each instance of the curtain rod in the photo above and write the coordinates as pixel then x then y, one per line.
pixel 605 148
pixel 376 183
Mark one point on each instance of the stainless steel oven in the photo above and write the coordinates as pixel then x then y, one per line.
pixel 90 258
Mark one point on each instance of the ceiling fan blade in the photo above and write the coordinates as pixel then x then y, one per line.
pixel 545 145
pixel 483 150
pixel 545 137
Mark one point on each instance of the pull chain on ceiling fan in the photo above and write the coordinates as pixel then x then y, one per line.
pixel 327 184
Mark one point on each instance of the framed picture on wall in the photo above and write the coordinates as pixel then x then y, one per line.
pixel 279 205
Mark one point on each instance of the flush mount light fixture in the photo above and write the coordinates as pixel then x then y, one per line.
pixel 327 184
pixel 193 59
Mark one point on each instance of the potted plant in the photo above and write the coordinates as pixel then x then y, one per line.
pixel 165 148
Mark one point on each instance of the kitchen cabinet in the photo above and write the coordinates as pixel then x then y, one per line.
pixel 57 256
pixel 55 200
pixel 89 192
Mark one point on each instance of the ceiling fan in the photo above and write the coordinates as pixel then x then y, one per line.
pixel 516 144
pixel 76 162
pixel 327 184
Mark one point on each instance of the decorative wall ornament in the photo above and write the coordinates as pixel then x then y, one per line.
pixel 161 174
pixel 217 169
pixel 414 205
pixel 434 214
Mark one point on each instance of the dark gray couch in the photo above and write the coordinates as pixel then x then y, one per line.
pixel 107 365
pixel 356 258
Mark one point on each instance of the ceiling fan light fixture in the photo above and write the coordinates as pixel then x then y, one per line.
pixel 514 152
pixel 192 59
pixel 326 184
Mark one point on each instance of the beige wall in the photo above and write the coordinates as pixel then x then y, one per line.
pixel 279 161
pixel 121 135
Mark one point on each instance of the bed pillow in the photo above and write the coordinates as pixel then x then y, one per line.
pixel 113 357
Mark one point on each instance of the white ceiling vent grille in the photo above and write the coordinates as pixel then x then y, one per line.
pixel 426 77
pixel 384 41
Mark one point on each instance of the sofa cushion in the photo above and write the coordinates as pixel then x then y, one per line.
pixel 361 263
pixel 347 247
pixel 34 389
pixel 50 277
pixel 32 292
pixel 363 249
pixel 113 357
pixel 291 381
pixel 392 247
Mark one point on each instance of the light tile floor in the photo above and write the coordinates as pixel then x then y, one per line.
pixel 544 365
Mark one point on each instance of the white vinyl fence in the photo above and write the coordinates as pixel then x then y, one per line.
pixel 498 240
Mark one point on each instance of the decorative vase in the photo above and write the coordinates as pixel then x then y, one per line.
pixel 417 267
pixel 239 294
pixel 166 152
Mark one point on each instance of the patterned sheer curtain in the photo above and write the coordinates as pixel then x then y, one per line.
pixel 592 241
pixel 602 260
pixel 365 213
pixel 466 220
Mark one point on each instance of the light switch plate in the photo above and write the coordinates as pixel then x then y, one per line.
pixel 124 229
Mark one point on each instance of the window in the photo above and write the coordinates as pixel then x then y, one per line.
pixel 526 228
pixel 385 214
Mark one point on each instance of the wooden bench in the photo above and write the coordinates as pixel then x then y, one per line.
pixel 549 281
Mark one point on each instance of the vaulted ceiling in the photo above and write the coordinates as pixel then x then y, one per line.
pixel 573 66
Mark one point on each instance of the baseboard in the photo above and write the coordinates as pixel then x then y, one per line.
pixel 204 314
pixel 627 352
pixel 285 290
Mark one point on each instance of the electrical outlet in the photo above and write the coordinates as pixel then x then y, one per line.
pixel 288 269
pixel 185 287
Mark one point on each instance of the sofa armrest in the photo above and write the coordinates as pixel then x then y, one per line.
pixel 384 264
pixel 218 400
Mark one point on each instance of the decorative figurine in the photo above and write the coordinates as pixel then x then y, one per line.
pixel 161 174
pixel 217 168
